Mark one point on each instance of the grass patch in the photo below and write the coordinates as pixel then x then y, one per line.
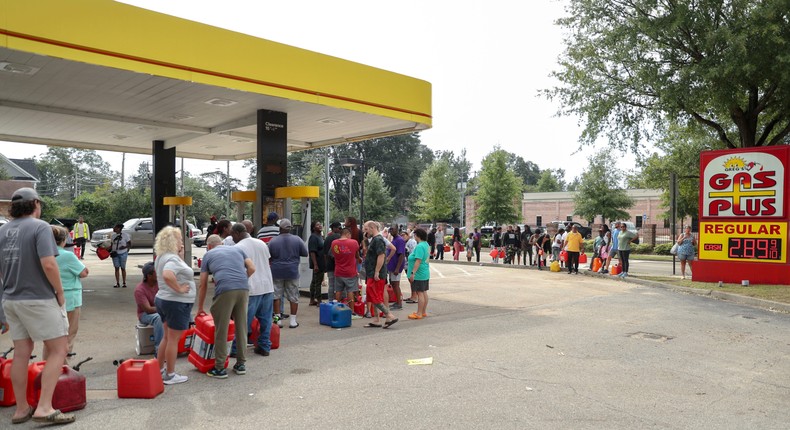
pixel 776 293
pixel 651 257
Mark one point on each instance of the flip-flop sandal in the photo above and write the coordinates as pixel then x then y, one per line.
pixel 24 419
pixel 389 323
pixel 371 325
pixel 414 316
pixel 410 301
pixel 56 417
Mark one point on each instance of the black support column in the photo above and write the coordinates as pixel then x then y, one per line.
pixel 163 183
pixel 272 158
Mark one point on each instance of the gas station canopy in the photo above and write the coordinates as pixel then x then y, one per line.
pixel 104 75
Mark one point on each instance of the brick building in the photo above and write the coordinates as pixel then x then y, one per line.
pixel 539 209
pixel 18 177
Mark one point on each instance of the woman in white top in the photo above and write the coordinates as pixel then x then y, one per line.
pixel 175 298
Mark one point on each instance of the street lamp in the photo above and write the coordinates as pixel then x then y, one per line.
pixel 351 163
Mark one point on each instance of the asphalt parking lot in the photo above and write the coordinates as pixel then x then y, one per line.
pixel 510 348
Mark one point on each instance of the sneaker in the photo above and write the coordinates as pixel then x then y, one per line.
pixel 240 369
pixel 174 378
pixel 217 373
pixel 261 351
pixel 280 323
pixel 355 317
pixel 396 306
pixel 293 325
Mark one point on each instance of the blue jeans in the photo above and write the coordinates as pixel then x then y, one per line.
pixel 156 321
pixel 260 307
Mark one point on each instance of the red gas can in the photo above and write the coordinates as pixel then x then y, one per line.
pixel 359 307
pixel 202 353
pixel 7 397
pixel 391 294
pixel 70 393
pixel 274 336
pixel 185 342
pixel 255 331
pixel 139 379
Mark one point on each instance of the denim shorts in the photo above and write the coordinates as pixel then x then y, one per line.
pixel 175 315
pixel 119 261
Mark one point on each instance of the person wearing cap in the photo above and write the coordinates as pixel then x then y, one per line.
pixel 212 227
pixel 329 258
pixel 33 304
pixel 145 297
pixel 71 270
pixel 270 229
pixel 120 242
pixel 286 251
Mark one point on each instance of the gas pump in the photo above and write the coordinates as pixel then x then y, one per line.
pixel 179 203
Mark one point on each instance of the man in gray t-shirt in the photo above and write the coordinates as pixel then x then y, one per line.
pixel 32 303
pixel 230 267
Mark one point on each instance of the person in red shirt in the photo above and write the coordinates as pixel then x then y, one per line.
pixel 346 253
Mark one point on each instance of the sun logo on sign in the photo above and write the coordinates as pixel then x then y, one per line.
pixel 735 163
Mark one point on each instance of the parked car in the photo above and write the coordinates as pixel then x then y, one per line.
pixel 140 230
pixel 199 240
pixel 586 232
pixel 628 226
pixel 487 230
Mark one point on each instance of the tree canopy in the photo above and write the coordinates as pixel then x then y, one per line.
pixel 600 192
pixel 499 195
pixel 633 67
pixel 437 198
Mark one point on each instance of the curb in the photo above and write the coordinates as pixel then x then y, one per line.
pixel 768 305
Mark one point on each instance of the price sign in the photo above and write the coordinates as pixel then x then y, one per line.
pixel 744 241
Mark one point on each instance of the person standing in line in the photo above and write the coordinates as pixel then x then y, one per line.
pixel 231 268
pixel 329 259
pixel 419 274
pixel 687 247
pixel 32 304
pixel 556 245
pixel 470 246
pixel 496 241
pixel 286 251
pixel 510 241
pixel 432 242
pixel 624 240
pixel 411 245
pixel 440 243
pixel 120 243
pixel 477 243
pixel 212 227
pixel 174 300
pixel 573 244
pixel 345 253
pixel 315 247
pixel 605 246
pixel 260 303
pixel 458 242
pixel 377 274
pixel 145 297
pixel 223 231
pixel 395 265
pixel 526 244
pixel 613 249
pixel 71 271
pixel 543 243
pixel 270 229
pixel 82 234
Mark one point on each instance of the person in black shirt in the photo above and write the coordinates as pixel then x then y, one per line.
pixel 526 245
pixel 432 242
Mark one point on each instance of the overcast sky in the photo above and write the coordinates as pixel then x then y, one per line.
pixel 485 60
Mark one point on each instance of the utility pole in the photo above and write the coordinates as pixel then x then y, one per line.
pixel 123 170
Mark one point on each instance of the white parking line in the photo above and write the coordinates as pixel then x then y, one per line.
pixel 459 268
pixel 437 271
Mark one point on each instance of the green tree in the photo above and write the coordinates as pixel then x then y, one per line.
pixel 499 195
pixel 379 202
pixel 107 206
pixel 600 192
pixel 205 200
pixel 551 180
pixel 68 172
pixel 635 66
pixel 436 190
pixel 142 179
pixel 528 171
pixel 681 148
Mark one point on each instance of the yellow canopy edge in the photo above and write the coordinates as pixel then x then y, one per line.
pixel 305 192
pixel 178 200
pixel 243 196
pixel 112 34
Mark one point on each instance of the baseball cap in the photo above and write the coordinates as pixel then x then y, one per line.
pixel 285 223
pixel 148 268
pixel 334 225
pixel 272 216
pixel 25 195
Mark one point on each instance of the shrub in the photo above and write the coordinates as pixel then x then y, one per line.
pixel 485 242
pixel 589 245
pixel 662 249
pixel 642 248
